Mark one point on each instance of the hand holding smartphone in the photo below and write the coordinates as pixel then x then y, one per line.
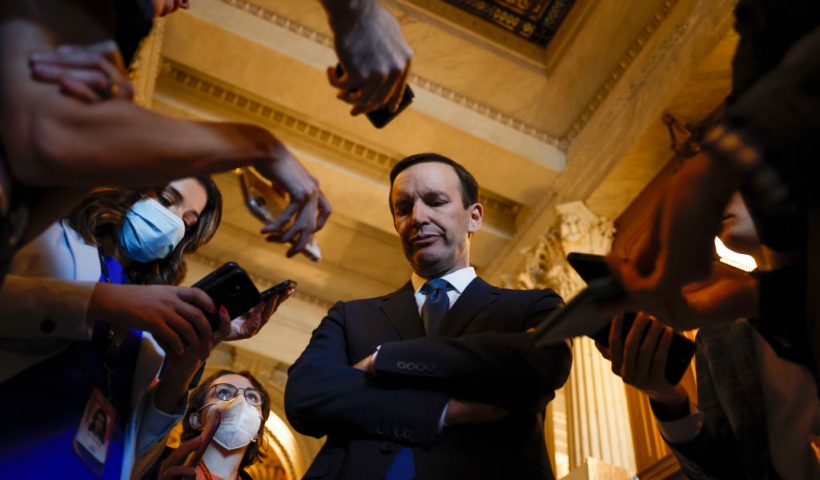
pixel 207 435
pixel 381 117
pixel 593 268
pixel 277 289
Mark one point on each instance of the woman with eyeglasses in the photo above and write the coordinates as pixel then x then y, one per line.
pixel 130 341
pixel 244 406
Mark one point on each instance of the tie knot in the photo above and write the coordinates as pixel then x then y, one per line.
pixel 435 285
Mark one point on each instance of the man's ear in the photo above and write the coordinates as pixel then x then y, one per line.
pixel 476 211
pixel 194 421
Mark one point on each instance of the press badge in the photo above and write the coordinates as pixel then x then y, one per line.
pixel 94 434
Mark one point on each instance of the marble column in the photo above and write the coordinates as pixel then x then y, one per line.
pixel 595 406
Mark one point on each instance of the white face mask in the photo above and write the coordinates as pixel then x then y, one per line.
pixel 240 423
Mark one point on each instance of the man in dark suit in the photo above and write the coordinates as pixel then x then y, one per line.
pixel 405 386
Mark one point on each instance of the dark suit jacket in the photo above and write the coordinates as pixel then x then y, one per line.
pixel 733 442
pixel 482 354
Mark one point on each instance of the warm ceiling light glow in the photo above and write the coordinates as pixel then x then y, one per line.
pixel 734 259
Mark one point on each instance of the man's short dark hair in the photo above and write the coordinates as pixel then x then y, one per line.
pixel 469 186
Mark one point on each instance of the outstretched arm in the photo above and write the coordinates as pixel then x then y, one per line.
pixel 374 56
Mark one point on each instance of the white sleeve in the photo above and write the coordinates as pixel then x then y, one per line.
pixel 45 308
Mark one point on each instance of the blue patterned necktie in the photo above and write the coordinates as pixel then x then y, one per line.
pixel 436 306
pixel 432 313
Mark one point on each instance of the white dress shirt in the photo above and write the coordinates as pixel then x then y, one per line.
pixel 459 279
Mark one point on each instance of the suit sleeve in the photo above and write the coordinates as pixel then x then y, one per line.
pixel 503 369
pixel 326 396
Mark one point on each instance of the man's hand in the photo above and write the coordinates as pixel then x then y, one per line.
pixel 308 209
pixel 367 364
pixel 173 315
pixel 249 324
pixel 174 468
pixel 92 73
pixel 461 412
pixel 640 358
pixel 374 56
pixel 679 247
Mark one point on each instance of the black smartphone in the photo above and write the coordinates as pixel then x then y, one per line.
pixel 381 117
pixel 277 289
pixel 231 287
pixel 593 267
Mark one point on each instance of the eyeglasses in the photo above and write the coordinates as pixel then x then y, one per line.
pixel 226 391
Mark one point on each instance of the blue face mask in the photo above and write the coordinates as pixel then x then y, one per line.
pixel 149 231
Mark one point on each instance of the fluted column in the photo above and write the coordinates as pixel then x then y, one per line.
pixel 597 419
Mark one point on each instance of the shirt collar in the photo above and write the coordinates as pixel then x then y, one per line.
pixel 458 279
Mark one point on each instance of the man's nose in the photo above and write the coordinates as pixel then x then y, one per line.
pixel 420 214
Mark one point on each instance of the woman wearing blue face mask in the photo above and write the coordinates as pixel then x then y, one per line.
pixel 244 406
pixel 120 238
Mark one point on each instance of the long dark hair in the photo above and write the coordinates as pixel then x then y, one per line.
pixel 197 401
pixel 100 215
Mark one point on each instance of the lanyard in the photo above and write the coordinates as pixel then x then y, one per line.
pixel 114 339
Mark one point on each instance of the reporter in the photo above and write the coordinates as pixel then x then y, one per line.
pixel 140 236
pixel 757 414
pixel 244 404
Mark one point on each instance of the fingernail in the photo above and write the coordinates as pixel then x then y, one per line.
pixel 222 309
pixel 213 309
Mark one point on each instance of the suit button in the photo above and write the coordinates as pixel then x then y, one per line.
pixel 388 447
pixel 401 365
pixel 379 430
pixel 406 433
pixel 47 326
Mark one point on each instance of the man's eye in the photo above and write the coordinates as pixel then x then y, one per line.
pixel 165 200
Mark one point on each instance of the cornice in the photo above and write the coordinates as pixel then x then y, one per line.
pixel 622 66
pixel 273 116
pixel 562 143
pixel 414 79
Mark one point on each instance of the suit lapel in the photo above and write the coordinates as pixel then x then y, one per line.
pixel 477 296
pixel 402 310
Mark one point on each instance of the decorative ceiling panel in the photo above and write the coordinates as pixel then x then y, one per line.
pixel 533 20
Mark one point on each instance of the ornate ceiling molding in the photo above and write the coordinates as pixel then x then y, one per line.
pixel 625 62
pixel 562 142
pixel 414 79
pixel 276 117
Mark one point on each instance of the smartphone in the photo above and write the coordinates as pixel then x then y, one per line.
pixel 594 268
pixel 208 435
pixel 381 117
pixel 277 289
pixel 264 205
pixel 231 287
